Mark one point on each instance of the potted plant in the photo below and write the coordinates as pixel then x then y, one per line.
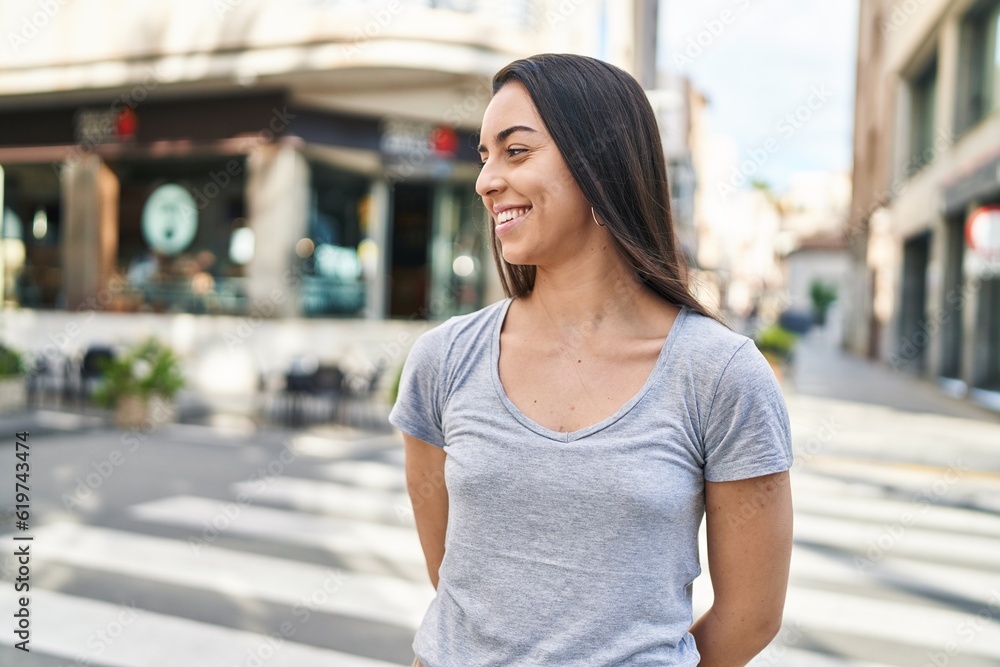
pixel 823 296
pixel 776 344
pixel 12 395
pixel 141 383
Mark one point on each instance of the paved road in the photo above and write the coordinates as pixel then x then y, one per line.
pixel 204 548
pixel 207 548
pixel 897 521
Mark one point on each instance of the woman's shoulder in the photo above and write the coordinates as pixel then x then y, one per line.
pixel 710 334
pixel 708 343
pixel 460 331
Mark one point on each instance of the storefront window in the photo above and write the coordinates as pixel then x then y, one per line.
pixel 457 253
pixel 331 268
pixel 30 263
pixel 182 242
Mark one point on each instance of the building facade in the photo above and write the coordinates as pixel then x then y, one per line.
pixel 927 160
pixel 297 161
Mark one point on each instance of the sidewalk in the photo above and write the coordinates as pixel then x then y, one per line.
pixel 842 406
pixel 821 369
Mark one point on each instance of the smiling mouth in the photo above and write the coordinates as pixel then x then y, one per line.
pixel 511 214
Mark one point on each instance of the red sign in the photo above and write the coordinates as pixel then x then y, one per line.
pixel 103 126
pixel 982 231
pixel 445 141
pixel 126 123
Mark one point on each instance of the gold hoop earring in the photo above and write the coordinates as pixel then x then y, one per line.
pixel 595 216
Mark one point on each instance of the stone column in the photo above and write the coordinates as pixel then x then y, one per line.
pixel 378 272
pixel 89 245
pixel 277 195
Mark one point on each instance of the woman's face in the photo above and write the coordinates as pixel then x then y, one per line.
pixel 524 177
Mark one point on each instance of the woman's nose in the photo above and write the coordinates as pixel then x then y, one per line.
pixel 489 180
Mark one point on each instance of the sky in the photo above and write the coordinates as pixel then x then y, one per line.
pixel 779 76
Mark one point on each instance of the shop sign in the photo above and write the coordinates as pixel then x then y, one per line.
pixel 104 126
pixel 982 231
pixel 169 219
pixel 406 138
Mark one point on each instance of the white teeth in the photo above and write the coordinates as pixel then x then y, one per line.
pixel 510 214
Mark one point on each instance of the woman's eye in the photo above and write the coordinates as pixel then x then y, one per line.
pixel 510 151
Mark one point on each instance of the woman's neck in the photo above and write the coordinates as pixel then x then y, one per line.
pixel 614 305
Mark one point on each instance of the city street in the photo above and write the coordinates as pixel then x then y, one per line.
pixel 206 547
pixel 897 520
pixel 238 218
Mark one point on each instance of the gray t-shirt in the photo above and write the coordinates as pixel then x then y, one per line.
pixel 579 549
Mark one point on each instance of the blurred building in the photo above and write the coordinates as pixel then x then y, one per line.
pixel 759 250
pixel 927 156
pixel 712 156
pixel 813 245
pixel 261 160
pixel 676 103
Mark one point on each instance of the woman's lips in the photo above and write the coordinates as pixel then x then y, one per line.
pixel 504 227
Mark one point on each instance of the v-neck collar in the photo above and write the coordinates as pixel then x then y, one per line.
pixel 563 436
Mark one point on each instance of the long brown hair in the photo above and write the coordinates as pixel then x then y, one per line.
pixel 603 124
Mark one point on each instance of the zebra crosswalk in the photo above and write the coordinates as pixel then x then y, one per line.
pixel 325 568
pixel 883 572
pixel 191 581
pixel 92 632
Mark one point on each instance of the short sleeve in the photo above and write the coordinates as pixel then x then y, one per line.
pixel 419 404
pixel 747 432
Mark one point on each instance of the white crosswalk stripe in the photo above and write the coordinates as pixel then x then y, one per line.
pixel 235 573
pixel 342 536
pixel 78 629
pixel 911 625
pixel 331 499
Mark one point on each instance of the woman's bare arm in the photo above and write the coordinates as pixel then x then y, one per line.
pixel 425 484
pixel 749 530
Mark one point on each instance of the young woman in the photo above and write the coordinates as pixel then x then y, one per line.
pixel 563 444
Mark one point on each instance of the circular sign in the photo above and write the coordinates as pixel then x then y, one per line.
pixel 169 219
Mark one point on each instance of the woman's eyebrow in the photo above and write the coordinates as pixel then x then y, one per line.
pixel 503 134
